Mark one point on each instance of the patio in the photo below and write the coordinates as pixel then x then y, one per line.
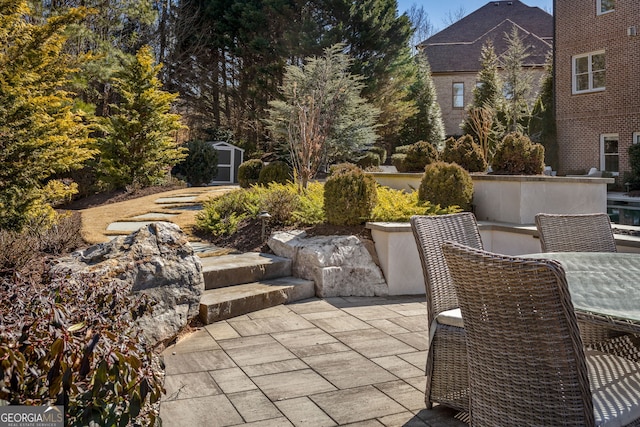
pixel 318 362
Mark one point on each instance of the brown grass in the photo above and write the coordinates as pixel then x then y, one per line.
pixel 96 219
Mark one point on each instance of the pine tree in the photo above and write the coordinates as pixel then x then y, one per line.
pixel 323 117
pixel 41 132
pixel 426 124
pixel 542 125
pixel 517 82
pixel 139 146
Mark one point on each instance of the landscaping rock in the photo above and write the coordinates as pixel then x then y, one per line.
pixel 156 260
pixel 338 265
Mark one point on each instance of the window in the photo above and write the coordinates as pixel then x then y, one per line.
pixel 604 6
pixel 458 95
pixel 609 153
pixel 589 72
pixel 636 138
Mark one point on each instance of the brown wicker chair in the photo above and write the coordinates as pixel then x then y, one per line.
pixel 446 370
pixel 575 232
pixel 527 366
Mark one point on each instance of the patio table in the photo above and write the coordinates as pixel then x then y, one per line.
pixel 604 286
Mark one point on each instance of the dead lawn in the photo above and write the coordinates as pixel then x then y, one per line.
pixel 96 220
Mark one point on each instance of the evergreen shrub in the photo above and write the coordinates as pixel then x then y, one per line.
pixel 446 184
pixel 517 155
pixel 465 152
pixel 369 160
pixel 349 196
pixel 277 171
pixel 249 172
pixel 399 206
pixel 201 164
pixel 381 152
pixel 414 157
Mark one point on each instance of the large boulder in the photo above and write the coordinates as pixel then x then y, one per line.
pixel 338 265
pixel 156 260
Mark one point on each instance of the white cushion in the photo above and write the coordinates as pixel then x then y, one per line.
pixel 451 318
pixel 615 385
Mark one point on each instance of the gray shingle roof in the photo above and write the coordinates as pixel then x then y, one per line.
pixel 457 47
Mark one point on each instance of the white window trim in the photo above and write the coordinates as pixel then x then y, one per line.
pixel 453 95
pixel 599 8
pixel 602 156
pixel 636 138
pixel 574 89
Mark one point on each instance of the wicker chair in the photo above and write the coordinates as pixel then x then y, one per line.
pixel 586 233
pixel 575 232
pixel 446 370
pixel 527 365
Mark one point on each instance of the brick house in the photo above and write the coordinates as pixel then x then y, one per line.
pixel 454 53
pixel 597 83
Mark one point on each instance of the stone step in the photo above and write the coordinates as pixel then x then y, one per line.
pixel 231 301
pixel 249 267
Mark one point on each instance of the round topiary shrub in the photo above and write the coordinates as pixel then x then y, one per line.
pixel 277 171
pixel 381 152
pixel 446 184
pixel 342 168
pixel 201 164
pixel 349 196
pixel 517 155
pixel 419 155
pixel 249 172
pixel 465 152
pixel 369 160
pixel 398 160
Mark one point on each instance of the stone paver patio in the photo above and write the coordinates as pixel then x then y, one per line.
pixel 319 362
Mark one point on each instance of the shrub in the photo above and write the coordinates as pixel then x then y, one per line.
pixel 414 157
pixel 277 171
pixel 349 196
pixel 517 155
pixel 369 160
pixel 342 168
pixel 381 152
pixel 446 184
pixel 279 200
pixel 223 214
pixel 75 343
pixel 465 152
pixel 310 208
pixel 249 172
pixel 200 165
pixel 399 206
pixel 398 160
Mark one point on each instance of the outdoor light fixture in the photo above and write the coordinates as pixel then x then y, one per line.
pixel 264 217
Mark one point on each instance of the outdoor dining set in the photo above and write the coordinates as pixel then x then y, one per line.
pixel 543 339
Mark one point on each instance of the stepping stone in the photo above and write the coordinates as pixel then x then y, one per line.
pixel 128 226
pixel 234 269
pixel 232 301
pixel 152 215
pixel 186 208
pixel 205 247
pixel 178 199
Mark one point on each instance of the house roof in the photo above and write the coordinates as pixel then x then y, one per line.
pixel 457 48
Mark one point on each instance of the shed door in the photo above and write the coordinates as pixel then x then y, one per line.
pixel 225 164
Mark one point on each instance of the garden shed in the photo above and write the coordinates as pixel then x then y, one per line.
pixel 229 158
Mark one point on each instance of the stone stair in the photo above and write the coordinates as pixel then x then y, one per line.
pixel 238 284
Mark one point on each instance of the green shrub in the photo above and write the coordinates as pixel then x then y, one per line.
pixel 349 196
pixel 517 155
pixel 223 214
pixel 277 171
pixel 369 160
pixel 342 168
pixel 446 184
pixel 398 160
pixel 465 152
pixel 381 152
pixel 249 172
pixel 279 200
pixel 75 343
pixel 399 206
pixel 310 208
pixel 414 157
pixel 201 164
pixel 402 149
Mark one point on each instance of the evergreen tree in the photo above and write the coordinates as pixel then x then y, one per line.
pixel 542 126
pixel 139 146
pixel 426 124
pixel 487 95
pixel 322 117
pixel 41 131
pixel 517 82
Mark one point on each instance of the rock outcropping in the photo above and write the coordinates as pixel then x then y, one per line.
pixel 339 265
pixel 156 260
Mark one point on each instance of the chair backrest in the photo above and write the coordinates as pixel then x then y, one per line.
pixel 575 232
pixel 430 231
pixel 526 360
